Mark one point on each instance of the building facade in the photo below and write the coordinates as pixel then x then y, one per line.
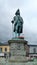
pixel 32 50
pixel 4 48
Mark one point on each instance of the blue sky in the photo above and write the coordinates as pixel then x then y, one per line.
pixel 28 10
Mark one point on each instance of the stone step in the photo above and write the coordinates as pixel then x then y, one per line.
pixel 18 59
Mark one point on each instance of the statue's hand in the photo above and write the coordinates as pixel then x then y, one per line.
pixel 12 21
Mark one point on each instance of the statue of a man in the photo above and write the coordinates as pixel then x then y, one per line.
pixel 18 23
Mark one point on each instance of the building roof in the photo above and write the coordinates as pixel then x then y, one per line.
pixel 3 44
pixel 32 45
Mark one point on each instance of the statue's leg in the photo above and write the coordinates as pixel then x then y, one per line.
pixel 18 34
pixel 15 33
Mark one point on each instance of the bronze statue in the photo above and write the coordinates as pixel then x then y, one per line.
pixel 18 23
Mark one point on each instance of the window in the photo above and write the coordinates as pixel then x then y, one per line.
pixel 0 49
pixel 5 49
pixel 34 50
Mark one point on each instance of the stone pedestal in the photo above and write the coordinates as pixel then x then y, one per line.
pixel 18 49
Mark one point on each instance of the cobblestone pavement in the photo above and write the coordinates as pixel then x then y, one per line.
pixel 5 62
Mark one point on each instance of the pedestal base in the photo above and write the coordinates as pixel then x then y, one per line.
pixel 18 59
pixel 18 50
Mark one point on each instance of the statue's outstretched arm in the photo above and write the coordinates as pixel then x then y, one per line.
pixel 13 19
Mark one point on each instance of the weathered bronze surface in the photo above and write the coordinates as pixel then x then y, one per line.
pixel 18 23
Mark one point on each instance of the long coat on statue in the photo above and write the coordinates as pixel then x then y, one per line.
pixel 18 22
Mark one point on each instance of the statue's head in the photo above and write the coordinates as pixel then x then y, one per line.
pixel 17 12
